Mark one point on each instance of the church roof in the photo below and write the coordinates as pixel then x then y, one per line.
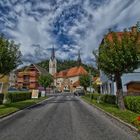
pixel 74 71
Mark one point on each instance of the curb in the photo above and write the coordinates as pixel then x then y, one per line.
pixel 19 111
pixel 133 128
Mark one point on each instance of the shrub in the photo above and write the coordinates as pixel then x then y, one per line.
pixel 1 98
pixel 87 95
pixel 106 98
pixel 95 96
pixel 132 103
pixel 17 96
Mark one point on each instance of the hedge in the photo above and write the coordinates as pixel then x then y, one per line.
pixel 132 103
pixel 107 98
pixel 1 98
pixel 95 96
pixel 15 97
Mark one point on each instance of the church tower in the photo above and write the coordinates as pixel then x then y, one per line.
pixel 52 63
pixel 79 61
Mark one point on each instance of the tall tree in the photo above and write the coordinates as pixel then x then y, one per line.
pixel 119 54
pixel 10 56
pixel 85 81
pixel 45 80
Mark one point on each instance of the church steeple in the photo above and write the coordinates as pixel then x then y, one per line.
pixel 79 61
pixel 52 63
pixel 53 53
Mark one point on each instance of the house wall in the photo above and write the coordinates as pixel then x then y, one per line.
pixel 4 83
pixel 74 79
pixel 61 83
pixel 31 81
pixel 126 78
pixel 133 87
pixel 12 79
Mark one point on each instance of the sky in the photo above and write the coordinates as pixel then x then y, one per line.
pixel 68 25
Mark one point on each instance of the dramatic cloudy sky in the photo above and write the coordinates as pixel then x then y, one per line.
pixel 69 25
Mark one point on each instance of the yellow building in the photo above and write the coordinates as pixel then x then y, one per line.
pixel 4 82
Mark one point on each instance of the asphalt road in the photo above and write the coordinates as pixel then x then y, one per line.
pixel 61 118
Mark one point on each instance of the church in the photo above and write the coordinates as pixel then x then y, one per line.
pixel 66 80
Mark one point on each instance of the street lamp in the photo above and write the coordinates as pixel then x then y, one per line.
pixel 90 77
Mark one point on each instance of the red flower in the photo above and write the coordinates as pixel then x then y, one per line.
pixel 138 118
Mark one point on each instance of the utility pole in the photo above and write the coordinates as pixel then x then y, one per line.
pixel 90 76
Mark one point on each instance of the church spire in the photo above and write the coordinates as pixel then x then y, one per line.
pixel 53 53
pixel 79 61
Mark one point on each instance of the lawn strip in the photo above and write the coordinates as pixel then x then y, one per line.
pixel 13 107
pixel 127 115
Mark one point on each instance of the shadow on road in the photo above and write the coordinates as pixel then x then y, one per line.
pixel 53 101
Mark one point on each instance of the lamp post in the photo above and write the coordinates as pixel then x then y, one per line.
pixel 90 82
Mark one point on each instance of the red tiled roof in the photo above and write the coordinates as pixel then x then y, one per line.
pixel 121 34
pixel 74 71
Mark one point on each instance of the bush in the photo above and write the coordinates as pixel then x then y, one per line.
pixel 87 95
pixel 1 98
pixel 95 96
pixel 15 97
pixel 106 98
pixel 132 103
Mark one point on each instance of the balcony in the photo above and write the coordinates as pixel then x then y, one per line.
pixel 33 73
pixel 32 86
pixel 20 80
pixel 33 79
pixel 21 74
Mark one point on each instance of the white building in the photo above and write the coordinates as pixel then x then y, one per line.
pixel 53 63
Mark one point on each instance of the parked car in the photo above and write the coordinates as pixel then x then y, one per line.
pixel 12 89
pixel 79 92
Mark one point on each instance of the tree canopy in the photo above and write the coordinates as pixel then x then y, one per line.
pixel 45 80
pixel 85 81
pixel 10 56
pixel 119 53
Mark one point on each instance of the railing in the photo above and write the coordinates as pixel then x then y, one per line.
pixel 31 86
pixel 20 74
pixel 33 73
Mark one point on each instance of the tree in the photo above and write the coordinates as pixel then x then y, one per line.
pixel 84 81
pixel 10 56
pixel 96 55
pixel 119 55
pixel 45 80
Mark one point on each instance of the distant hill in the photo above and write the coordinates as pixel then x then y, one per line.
pixel 66 64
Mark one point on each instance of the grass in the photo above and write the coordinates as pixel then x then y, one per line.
pixel 13 107
pixel 127 115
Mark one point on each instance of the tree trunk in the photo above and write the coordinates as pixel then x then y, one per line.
pixel 120 100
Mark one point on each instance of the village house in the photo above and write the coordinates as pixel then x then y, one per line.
pixel 27 77
pixel 68 80
pixel 109 87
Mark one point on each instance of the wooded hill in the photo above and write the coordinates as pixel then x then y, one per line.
pixel 66 64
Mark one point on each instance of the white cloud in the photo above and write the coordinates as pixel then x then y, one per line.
pixel 33 26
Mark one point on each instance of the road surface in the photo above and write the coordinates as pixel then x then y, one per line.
pixel 61 118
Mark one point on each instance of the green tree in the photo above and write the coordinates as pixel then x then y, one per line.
pixel 45 80
pixel 85 81
pixel 10 56
pixel 119 55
